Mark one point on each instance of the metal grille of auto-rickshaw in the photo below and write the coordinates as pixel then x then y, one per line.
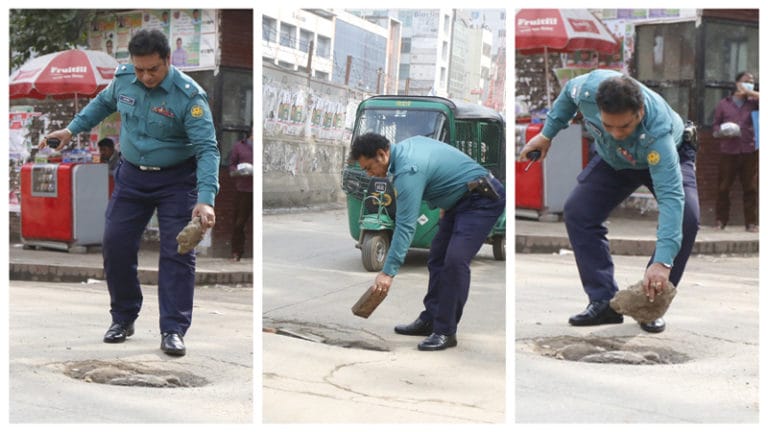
pixel 466 141
pixel 354 181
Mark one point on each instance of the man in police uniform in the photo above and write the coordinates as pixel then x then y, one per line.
pixel 170 163
pixel 471 200
pixel 639 141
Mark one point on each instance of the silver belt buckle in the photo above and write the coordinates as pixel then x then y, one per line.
pixel 148 168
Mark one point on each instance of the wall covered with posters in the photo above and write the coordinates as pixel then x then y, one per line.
pixel 307 126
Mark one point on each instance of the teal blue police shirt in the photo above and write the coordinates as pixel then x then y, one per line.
pixel 160 127
pixel 652 146
pixel 422 168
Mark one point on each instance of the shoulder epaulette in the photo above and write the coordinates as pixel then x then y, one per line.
pixel 124 69
pixel 187 85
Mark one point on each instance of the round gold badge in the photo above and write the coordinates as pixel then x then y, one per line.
pixel 197 111
pixel 653 157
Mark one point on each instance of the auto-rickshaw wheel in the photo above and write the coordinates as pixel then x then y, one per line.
pixel 500 247
pixel 374 250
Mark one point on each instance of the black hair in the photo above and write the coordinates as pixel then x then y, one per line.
pixel 618 95
pixel 741 74
pixel 106 142
pixel 147 42
pixel 367 145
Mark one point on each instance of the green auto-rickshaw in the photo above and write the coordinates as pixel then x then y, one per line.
pixel 473 129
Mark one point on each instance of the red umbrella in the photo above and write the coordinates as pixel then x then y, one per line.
pixel 64 74
pixel 560 30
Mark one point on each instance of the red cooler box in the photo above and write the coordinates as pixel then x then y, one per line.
pixel 63 204
pixel 540 192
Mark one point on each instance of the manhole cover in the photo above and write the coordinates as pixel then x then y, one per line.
pixel 606 350
pixel 130 374
pixel 337 335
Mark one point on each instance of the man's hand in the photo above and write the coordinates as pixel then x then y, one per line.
pixel 383 282
pixel 655 279
pixel 743 92
pixel 63 134
pixel 206 213
pixel 539 142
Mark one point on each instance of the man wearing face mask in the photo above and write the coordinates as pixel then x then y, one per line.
pixel 170 164
pixel 639 141
pixel 733 127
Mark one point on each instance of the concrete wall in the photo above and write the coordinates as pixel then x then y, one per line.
pixel 307 128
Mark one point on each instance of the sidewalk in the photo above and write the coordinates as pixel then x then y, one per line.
pixel 58 266
pixel 632 237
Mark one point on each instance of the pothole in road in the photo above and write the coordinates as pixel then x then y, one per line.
pixel 121 373
pixel 336 335
pixel 606 350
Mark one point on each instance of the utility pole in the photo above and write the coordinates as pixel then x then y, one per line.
pixel 309 60
pixel 349 70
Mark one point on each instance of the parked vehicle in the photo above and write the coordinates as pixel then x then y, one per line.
pixel 371 205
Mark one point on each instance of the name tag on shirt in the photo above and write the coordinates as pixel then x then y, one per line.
pixel 594 130
pixel 127 100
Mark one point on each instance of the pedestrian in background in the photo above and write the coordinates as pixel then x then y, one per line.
pixel 170 164
pixel 241 170
pixel 639 141
pixel 471 201
pixel 108 155
pixel 733 127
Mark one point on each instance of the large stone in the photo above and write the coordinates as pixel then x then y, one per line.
pixel 190 236
pixel 633 302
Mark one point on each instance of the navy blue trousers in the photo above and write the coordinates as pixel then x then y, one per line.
pixel 600 189
pixel 137 194
pixel 461 232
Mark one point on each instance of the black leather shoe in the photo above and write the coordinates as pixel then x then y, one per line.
pixel 437 342
pixel 118 332
pixel 656 326
pixel 597 313
pixel 173 344
pixel 416 328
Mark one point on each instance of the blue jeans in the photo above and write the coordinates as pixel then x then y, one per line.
pixel 137 194
pixel 599 190
pixel 461 232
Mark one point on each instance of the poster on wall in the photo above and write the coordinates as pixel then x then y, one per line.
pixel 185 39
pixel 102 36
pixel 126 25
pixel 18 151
pixel 191 34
